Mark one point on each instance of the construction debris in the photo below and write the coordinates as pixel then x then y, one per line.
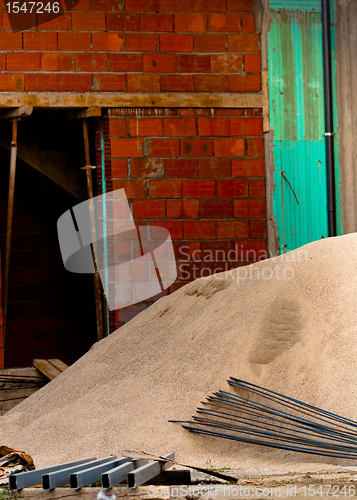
pixel 287 323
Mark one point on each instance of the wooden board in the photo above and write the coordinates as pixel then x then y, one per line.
pixel 57 363
pixel 124 99
pixel 46 368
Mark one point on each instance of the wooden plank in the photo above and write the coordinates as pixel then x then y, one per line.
pixel 117 99
pixel 57 363
pixel 19 112
pixel 84 113
pixel 46 368
pixel 266 106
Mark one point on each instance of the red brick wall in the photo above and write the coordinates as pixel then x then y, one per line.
pixel 134 46
pixel 197 172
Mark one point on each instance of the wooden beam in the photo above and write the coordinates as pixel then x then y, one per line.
pixel 84 113
pixel 131 100
pixel 20 112
pixel 46 368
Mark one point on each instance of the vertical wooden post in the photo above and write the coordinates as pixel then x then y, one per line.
pixel 97 288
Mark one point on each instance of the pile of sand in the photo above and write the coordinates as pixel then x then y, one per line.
pixel 289 325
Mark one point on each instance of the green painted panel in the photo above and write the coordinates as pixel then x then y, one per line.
pixel 298 123
pixel 296 76
pixel 303 164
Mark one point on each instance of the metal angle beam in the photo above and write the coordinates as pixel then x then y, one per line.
pixel 61 477
pixel 93 474
pixel 148 471
pixel 119 474
pixel 20 481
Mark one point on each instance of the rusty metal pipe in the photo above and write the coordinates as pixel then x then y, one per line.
pixel 97 288
pixel 10 212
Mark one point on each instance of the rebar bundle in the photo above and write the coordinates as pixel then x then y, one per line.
pixel 268 418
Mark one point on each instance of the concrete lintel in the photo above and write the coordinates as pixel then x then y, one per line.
pixel 135 100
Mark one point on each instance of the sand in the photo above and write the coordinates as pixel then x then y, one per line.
pixel 289 325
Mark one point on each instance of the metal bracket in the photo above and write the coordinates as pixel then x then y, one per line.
pixel 329 134
pixel 88 166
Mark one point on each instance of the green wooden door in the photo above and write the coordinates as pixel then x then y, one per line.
pixel 296 89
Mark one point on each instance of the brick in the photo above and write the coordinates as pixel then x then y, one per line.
pixel 88 21
pixel 35 82
pixel 107 5
pixel 83 5
pixel 145 126
pixel 247 22
pixel 175 6
pixel 159 63
pixel 248 168
pixel 2 62
pixel 209 5
pixel 109 83
pixel 257 188
pixel 181 168
pixel 174 227
pixel 229 147
pixel 239 5
pixel 12 81
pixel 91 62
pixel 24 325
pixel 57 61
pixel 23 61
pixel 74 41
pixel 254 250
pixel 211 83
pixel 147 168
pixel 215 168
pixel 119 168
pixel 195 112
pixel 108 41
pixel 252 63
pixel 255 147
pixel 249 83
pixel 149 209
pixel 216 209
pixel 165 189
pixel 209 126
pixel 179 83
pixel 40 41
pixel 187 250
pixel 142 5
pixel 232 188
pixel 117 127
pixel 199 189
pixel 183 209
pixel 232 229
pixel 210 43
pixel 133 188
pixel 193 63
pixel 249 209
pixel 230 112
pixel 157 22
pixel 39 274
pixel 244 42
pixel 197 147
pixel 126 148
pixel 172 42
pixel 258 229
pixel 164 148
pixel 75 83
pixel 143 83
pixel 125 62
pixel 196 23
pixel 180 127
pixel 247 126
pixel 123 22
pixel 218 250
pixel 226 63
pixel 199 230
pixel 61 23
pixel 224 22
pixel 143 42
